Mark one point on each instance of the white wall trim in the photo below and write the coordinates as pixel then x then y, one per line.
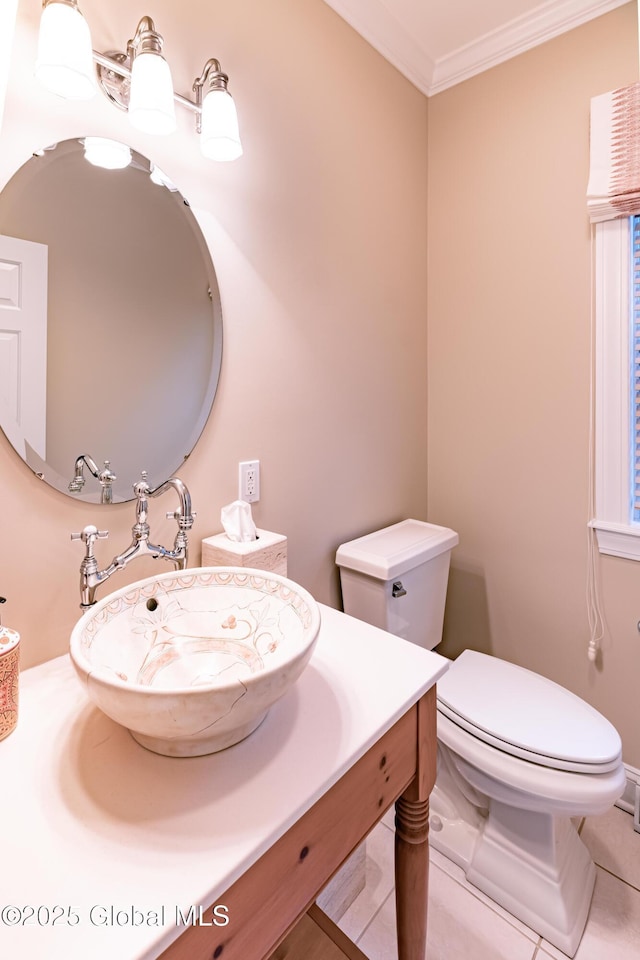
pixel 522 34
pixel 386 34
pixel 617 540
pixel 616 535
pixel 397 43
pixel 628 801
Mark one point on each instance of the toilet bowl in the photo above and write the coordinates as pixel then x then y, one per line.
pixel 519 757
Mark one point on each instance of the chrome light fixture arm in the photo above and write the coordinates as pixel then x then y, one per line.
pixel 114 77
pixel 145 40
pixel 217 80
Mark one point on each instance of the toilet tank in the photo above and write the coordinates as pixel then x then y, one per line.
pixel 396 578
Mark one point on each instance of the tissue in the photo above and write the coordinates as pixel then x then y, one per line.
pixel 237 521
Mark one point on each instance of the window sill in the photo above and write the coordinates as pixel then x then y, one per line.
pixel 617 539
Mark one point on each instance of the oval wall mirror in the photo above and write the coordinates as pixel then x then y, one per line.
pixel 110 323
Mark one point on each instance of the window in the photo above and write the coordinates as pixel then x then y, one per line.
pixel 613 202
pixel 634 229
pixel 617 387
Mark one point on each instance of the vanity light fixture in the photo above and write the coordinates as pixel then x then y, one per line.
pixel 64 62
pixel 151 107
pixel 217 121
pixel 138 81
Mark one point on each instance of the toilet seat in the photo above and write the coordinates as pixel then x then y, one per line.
pixel 527 716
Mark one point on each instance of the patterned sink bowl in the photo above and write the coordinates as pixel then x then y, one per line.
pixel 191 660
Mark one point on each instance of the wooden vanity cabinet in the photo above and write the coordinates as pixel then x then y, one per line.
pixel 271 906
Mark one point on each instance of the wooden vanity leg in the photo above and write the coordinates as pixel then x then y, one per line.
pixel 412 877
pixel 412 840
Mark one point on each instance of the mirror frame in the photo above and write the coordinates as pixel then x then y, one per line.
pixel 93 491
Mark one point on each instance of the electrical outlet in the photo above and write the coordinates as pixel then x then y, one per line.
pixel 249 480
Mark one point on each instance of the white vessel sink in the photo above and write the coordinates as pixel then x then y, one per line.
pixel 191 660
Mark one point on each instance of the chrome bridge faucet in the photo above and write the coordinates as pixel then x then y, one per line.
pixel 91 577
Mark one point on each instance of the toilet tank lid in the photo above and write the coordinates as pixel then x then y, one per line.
pixel 390 552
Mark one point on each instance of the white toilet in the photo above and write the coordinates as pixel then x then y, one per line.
pixel 518 755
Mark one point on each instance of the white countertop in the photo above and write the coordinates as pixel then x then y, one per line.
pixel 102 840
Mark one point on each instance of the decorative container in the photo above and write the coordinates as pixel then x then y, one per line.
pixel 9 668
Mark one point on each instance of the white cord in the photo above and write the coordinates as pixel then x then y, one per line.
pixel 594 611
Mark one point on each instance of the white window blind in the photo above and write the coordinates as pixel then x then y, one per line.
pixel 635 368
pixel 614 170
pixel 613 201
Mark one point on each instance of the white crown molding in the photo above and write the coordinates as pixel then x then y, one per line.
pixel 374 21
pixel 542 24
pixel 386 34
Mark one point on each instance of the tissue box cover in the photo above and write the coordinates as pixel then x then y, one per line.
pixel 268 552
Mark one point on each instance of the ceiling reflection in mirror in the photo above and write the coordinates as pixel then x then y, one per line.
pixel 110 323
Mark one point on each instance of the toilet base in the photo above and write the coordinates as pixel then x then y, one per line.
pixel 532 864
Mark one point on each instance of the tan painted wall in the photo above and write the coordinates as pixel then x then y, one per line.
pixel 509 341
pixel 318 235
pixel 319 239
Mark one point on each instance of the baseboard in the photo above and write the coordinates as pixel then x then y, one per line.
pixel 629 799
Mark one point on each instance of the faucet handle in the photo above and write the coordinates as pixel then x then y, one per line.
pixel 90 534
pixel 176 514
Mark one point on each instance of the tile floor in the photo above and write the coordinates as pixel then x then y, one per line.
pixel 465 925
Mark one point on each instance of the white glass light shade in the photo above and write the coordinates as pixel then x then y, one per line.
pixel 64 64
pixel 109 154
pixel 151 107
pixel 219 136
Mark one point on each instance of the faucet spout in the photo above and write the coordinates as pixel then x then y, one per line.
pixel 183 514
